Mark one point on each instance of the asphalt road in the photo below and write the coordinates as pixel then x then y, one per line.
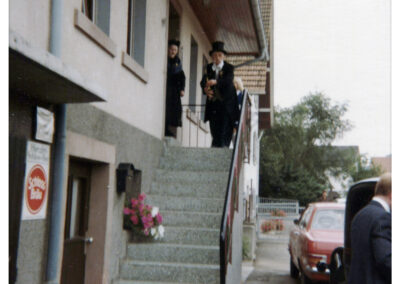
pixel 272 263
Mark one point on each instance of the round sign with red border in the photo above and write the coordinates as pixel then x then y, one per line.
pixel 36 189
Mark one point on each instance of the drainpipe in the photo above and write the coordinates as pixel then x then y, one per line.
pixel 53 270
pixel 262 41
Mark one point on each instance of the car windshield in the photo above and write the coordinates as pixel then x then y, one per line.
pixel 328 219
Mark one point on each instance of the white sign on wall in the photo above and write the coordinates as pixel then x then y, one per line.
pixel 44 125
pixel 36 184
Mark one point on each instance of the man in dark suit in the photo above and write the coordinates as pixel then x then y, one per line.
pixel 371 238
pixel 221 106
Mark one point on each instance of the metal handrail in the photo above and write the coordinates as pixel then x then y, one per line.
pixel 194 118
pixel 232 198
pixel 195 105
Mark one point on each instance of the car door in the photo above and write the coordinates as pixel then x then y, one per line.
pixel 297 235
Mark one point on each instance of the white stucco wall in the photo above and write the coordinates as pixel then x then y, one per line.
pixel 130 99
pixel 31 20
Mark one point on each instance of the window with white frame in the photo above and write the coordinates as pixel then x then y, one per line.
pixel 137 30
pixel 98 11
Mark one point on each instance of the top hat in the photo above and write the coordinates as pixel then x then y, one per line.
pixel 174 42
pixel 217 46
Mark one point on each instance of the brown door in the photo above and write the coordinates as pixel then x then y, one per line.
pixel 76 223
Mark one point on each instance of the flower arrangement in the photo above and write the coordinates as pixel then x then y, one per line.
pixel 144 219
pixel 272 225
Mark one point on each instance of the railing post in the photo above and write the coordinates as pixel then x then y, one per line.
pixel 190 132
pixel 195 118
pixel 197 126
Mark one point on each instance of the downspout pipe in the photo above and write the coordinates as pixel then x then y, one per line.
pixel 262 41
pixel 53 269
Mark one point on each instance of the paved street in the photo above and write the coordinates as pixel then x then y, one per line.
pixel 272 263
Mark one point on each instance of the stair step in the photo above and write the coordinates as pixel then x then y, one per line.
pixel 199 164
pixel 189 189
pixel 207 177
pixel 192 219
pixel 171 142
pixel 187 153
pixel 169 271
pixel 214 205
pixel 191 236
pixel 174 253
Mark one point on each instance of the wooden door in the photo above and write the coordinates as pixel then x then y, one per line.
pixel 76 223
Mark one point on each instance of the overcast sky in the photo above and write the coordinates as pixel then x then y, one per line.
pixel 342 48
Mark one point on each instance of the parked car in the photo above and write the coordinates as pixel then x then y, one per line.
pixel 359 195
pixel 318 232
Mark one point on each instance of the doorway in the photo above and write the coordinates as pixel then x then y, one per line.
pixel 174 21
pixel 76 239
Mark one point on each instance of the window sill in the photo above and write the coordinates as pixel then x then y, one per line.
pixel 129 63
pixel 94 33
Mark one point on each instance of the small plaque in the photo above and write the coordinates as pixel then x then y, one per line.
pixel 44 125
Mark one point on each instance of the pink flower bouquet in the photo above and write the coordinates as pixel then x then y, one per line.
pixel 144 219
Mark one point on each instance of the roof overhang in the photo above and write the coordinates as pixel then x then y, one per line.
pixel 237 23
pixel 41 75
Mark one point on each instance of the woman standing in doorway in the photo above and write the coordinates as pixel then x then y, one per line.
pixel 175 90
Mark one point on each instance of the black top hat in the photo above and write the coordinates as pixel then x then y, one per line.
pixel 217 46
pixel 174 42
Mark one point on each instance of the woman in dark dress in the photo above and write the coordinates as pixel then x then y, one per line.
pixel 175 90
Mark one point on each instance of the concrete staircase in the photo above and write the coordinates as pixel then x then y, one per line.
pixel 189 189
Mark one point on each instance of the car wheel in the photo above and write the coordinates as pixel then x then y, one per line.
pixel 294 272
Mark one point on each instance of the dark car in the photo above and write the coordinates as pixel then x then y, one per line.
pixel 359 195
pixel 318 232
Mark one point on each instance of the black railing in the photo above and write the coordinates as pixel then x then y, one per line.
pixel 240 154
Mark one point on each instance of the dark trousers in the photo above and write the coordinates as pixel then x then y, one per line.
pixel 221 127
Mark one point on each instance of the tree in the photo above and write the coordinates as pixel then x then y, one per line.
pixel 296 153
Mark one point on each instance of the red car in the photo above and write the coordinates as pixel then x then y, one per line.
pixel 318 232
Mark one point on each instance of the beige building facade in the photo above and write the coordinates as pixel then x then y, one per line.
pixel 110 74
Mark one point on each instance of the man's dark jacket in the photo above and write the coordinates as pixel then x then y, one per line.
pixel 371 246
pixel 226 90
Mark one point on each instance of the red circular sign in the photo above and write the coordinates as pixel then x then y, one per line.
pixel 36 189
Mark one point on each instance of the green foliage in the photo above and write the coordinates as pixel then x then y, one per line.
pixel 296 153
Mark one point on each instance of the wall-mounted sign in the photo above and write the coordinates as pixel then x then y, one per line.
pixel 36 185
pixel 44 125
